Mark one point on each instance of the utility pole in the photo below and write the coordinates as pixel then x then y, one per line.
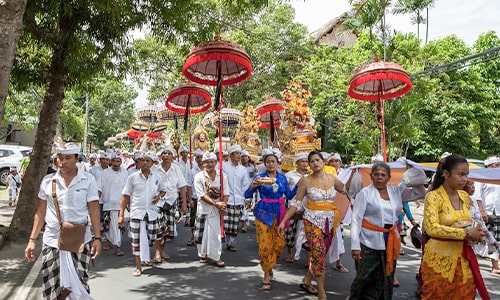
pixel 86 123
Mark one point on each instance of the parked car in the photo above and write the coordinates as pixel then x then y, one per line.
pixel 11 156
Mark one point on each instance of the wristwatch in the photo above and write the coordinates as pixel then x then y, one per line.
pixel 99 238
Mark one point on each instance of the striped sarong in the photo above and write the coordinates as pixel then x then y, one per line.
pixel 199 227
pixel 135 226
pixel 166 221
pixel 232 219
pixel 290 234
pixel 370 281
pixel 51 269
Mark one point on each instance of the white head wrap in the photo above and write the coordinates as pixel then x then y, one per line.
pixel 198 152
pixel 169 149
pixel 301 155
pixel 245 152
pixel 235 148
pixel 183 148
pixel 13 168
pixel 148 154
pixel 335 156
pixel 491 160
pixel 68 148
pixel 209 156
pixel 378 157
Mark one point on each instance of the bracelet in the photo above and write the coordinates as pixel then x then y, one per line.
pixel 33 239
pixel 98 238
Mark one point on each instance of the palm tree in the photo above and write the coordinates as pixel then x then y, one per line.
pixel 415 8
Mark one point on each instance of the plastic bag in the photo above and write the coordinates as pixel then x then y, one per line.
pixel 413 177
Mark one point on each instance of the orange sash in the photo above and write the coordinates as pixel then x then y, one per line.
pixel 326 206
pixel 393 244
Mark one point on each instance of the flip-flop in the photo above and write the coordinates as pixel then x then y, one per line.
pixel 308 288
pixel 119 253
pixel 137 273
pixel 157 260
pixel 165 257
pixel 231 248
pixel 190 243
pixel 204 260
pixel 220 264
pixel 289 259
pixel 147 263
pixel 266 287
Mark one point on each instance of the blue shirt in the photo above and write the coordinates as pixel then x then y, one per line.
pixel 266 212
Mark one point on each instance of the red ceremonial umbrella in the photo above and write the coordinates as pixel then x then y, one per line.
pixel 379 81
pixel 218 63
pixel 188 98
pixel 269 115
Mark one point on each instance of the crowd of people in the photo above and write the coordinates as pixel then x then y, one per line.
pixel 147 194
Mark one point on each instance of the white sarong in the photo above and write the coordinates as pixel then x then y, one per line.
pixel 114 234
pixel 211 245
pixel 69 278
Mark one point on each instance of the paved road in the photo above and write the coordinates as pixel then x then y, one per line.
pixel 183 277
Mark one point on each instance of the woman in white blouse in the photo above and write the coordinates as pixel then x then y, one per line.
pixel 375 243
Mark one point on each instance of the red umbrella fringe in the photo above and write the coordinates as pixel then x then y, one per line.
pixel 204 79
pixel 376 95
pixel 194 109
pixel 268 109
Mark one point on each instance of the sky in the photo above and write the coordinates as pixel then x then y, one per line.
pixel 465 19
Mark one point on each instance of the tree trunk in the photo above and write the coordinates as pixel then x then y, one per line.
pixel 22 220
pixel 11 27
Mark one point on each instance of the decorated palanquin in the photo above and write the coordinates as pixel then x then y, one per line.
pixel 200 139
pixel 247 133
pixel 298 133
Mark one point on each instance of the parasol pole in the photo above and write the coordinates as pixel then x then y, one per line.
pixel 381 110
pixel 190 145
pixel 219 102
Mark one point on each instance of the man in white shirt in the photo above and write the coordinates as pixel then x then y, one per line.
pixel 76 194
pixel 295 236
pixel 110 188
pixel 197 167
pixel 141 193
pixel 238 183
pixel 184 164
pixel 489 194
pixel 207 232
pixel 175 185
pixel 13 184
pixel 251 169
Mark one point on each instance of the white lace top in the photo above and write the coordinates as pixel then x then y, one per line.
pixel 319 217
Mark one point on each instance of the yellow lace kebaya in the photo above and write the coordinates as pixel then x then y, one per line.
pixel 439 219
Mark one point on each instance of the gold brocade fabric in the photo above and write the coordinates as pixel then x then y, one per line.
pixel 439 215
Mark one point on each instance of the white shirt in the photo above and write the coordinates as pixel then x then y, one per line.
pixel 185 168
pixel 237 177
pixel 293 178
pixel 72 202
pixel 195 170
pixel 111 185
pixel 490 195
pixel 201 190
pixel 13 180
pixel 141 191
pixel 173 180
pixel 368 206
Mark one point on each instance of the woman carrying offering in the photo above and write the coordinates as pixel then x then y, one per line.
pixel 375 243
pixel 321 219
pixel 269 212
pixel 449 266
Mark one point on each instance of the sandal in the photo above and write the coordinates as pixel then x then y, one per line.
pixel 341 269
pixel 190 243
pixel 137 272
pixel 119 252
pixel 231 248
pixel 147 263
pixel 308 288
pixel 266 286
pixel 204 260
pixel 289 259
pixel 157 260
pixel 165 256
pixel 220 264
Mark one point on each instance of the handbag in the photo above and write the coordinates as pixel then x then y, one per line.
pixel 166 207
pixel 416 236
pixel 71 236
